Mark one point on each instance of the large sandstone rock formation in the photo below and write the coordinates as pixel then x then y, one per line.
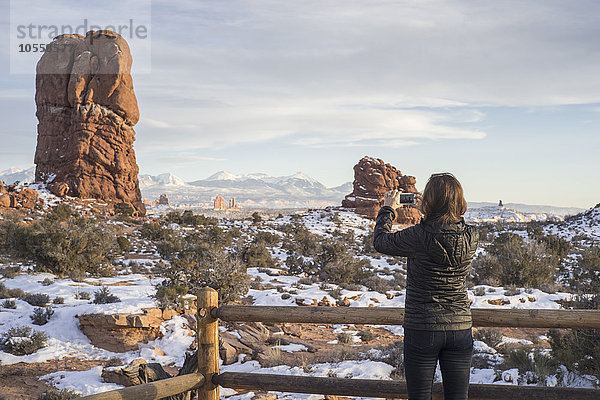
pixel 86 109
pixel 372 179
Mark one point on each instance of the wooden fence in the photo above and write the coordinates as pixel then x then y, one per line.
pixel 208 379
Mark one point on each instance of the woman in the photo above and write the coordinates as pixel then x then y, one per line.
pixel 437 319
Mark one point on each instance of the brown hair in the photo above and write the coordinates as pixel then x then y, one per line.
pixel 443 199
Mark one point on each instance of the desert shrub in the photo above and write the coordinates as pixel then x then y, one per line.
pixel 345 338
pixel 585 278
pixel 399 279
pixel 510 260
pixel 38 299
pixel 168 294
pixel 11 304
pixel 58 300
pixel 490 336
pixel 151 231
pixel 300 240
pixel 511 291
pixel 257 255
pixel 366 335
pixel 256 218
pixel 47 282
pixel 10 272
pixel 377 283
pixel 345 269
pixel 173 217
pixel 104 296
pixel 82 295
pixel 556 245
pixel 22 340
pixel 367 243
pixel 578 349
pixel 55 394
pixel 391 354
pixel 6 293
pixel 479 291
pixel 296 264
pixel 199 264
pixel 124 209
pixel 124 244
pixel 485 232
pixel 61 212
pixel 268 238
pixel 79 244
pixel 41 315
pixel 536 365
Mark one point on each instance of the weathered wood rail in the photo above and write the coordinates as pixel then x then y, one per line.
pixel 208 379
pixel 517 318
pixel 153 390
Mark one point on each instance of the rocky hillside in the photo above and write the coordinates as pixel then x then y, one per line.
pixel 585 225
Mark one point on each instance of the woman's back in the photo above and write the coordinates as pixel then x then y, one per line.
pixel 437 317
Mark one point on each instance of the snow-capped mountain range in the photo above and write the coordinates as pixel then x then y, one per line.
pixel 250 190
pixel 292 191
pixel 13 175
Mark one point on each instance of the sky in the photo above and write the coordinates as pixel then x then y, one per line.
pixel 504 94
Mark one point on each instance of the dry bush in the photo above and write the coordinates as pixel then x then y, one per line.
pixel 22 340
pixel 104 296
pixel 510 260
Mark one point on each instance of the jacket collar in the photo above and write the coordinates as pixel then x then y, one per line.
pixel 433 226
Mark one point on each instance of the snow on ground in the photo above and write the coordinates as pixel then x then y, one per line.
pixel 66 340
pixel 135 290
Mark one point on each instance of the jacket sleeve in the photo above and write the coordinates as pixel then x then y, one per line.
pixel 401 243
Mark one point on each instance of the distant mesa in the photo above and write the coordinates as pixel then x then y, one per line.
pixel 372 179
pixel 220 204
pixel 162 200
pixel 86 108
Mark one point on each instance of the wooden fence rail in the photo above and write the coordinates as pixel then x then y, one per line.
pixel 209 314
pixel 518 318
pixel 153 390
pixel 389 389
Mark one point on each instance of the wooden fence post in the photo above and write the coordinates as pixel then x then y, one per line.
pixel 208 342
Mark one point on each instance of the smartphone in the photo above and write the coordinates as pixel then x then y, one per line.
pixel 406 198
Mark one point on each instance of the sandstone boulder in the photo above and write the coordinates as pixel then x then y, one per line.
pixel 19 197
pixel 123 332
pixel 86 108
pixel 5 200
pixel 372 179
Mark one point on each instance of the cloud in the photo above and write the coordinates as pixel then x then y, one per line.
pixel 327 73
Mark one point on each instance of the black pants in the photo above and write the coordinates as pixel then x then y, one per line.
pixel 422 350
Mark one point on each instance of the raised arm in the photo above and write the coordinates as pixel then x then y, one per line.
pixel 401 243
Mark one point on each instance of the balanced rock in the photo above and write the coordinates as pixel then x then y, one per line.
pixel 86 108
pixel 372 179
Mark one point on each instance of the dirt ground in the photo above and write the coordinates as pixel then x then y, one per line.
pixel 21 381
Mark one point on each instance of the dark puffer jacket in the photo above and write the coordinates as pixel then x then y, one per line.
pixel 439 258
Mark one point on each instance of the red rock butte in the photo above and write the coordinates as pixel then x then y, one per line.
pixel 86 108
pixel 372 179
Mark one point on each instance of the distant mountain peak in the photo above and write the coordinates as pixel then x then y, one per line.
pixel 12 175
pixel 223 176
